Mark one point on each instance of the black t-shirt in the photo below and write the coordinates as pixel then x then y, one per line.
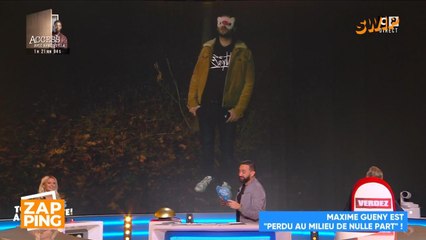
pixel 213 92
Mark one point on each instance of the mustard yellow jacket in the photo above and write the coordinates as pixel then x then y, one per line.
pixel 239 78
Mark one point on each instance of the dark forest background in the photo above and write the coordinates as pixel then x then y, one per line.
pixel 106 121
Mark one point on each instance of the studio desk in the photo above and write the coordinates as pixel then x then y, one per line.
pixel 167 230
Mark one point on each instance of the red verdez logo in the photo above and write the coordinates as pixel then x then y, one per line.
pixel 373 202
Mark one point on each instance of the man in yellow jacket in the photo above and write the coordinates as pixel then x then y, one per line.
pixel 219 92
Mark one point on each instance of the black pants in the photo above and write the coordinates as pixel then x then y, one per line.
pixel 210 117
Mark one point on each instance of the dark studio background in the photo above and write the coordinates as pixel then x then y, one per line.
pixel 327 103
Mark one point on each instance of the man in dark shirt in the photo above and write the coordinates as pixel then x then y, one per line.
pixel 219 92
pixel 251 197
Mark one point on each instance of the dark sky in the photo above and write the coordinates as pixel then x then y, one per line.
pixel 339 102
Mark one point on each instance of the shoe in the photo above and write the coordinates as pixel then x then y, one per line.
pixel 225 184
pixel 202 185
pixel 224 191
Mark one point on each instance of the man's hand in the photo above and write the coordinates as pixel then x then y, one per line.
pixel 233 204
pixel 193 110
pixel 233 117
pixel 223 202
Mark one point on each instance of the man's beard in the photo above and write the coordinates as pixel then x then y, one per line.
pixel 245 180
pixel 228 35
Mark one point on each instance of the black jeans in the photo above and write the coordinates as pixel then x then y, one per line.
pixel 210 117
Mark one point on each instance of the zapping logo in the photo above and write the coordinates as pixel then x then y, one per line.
pixel 385 24
pixel 42 214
